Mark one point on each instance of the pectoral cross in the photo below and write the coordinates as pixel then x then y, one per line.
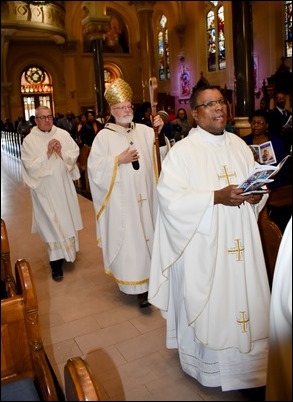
pixel 226 175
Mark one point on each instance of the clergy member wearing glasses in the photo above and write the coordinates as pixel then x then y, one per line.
pixel 123 175
pixel 48 165
pixel 208 275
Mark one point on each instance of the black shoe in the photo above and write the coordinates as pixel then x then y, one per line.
pixel 56 266
pixel 142 300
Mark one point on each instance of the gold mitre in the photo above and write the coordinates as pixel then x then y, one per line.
pixel 119 91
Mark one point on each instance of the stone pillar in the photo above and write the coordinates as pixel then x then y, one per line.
pixel 148 66
pixel 95 25
pixel 6 86
pixel 243 64
pixel 97 47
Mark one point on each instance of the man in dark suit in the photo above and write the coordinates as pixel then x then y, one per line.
pixel 280 121
pixel 68 123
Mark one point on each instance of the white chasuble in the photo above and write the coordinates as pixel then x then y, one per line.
pixel 208 274
pixel 279 379
pixel 125 202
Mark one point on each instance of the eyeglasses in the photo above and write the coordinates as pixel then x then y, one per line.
pixel 124 108
pixel 212 104
pixel 257 123
pixel 50 117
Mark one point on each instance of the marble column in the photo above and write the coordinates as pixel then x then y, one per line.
pixel 6 86
pixel 144 11
pixel 95 25
pixel 243 64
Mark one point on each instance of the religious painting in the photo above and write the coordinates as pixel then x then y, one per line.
pixel 184 83
pixel 116 39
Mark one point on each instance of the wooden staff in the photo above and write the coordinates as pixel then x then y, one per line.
pixel 153 86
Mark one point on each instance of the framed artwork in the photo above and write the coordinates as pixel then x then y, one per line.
pixel 116 39
pixel 184 83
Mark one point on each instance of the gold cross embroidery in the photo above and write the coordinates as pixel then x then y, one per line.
pixel 238 250
pixel 140 199
pixel 243 321
pixel 226 175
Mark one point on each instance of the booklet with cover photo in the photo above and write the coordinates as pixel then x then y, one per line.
pixel 264 153
pixel 260 176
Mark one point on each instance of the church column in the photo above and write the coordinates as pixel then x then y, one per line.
pixel 145 16
pixel 6 86
pixel 243 64
pixel 95 25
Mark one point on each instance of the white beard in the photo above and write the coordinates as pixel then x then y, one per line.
pixel 124 120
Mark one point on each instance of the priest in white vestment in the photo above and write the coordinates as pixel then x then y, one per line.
pixel 279 379
pixel 48 165
pixel 208 273
pixel 123 176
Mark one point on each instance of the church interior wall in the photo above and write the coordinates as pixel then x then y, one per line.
pixel 72 70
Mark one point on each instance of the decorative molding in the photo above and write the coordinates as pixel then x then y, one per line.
pixel 95 28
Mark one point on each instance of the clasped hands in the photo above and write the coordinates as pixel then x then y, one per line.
pixel 231 196
pixel 128 155
pixel 54 146
pixel 131 154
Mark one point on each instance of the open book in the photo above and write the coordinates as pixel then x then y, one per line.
pixel 264 153
pixel 259 177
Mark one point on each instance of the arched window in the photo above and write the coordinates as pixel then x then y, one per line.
pixel 163 50
pixel 288 28
pixel 216 39
pixel 36 90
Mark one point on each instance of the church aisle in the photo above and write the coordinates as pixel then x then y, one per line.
pixel 86 315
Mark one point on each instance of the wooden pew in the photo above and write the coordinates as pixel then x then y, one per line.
pixel 271 237
pixel 271 234
pixel 6 269
pixel 80 384
pixel 24 363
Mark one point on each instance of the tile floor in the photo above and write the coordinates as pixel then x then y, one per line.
pixel 86 315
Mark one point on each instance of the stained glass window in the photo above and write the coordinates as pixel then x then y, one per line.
pixel 163 50
pixel 35 80
pixel 288 28
pixel 36 89
pixel 221 39
pixel 216 49
pixel 211 34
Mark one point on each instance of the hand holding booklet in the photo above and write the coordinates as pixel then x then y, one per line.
pixel 259 177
